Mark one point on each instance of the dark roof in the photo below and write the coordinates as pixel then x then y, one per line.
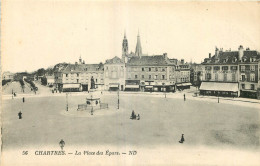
pixel 83 67
pixel 232 57
pixel 115 60
pixel 156 60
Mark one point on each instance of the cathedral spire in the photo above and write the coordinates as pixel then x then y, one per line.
pixel 138 49
pixel 124 48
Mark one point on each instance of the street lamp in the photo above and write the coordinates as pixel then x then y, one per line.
pixel 118 99
pixel 67 104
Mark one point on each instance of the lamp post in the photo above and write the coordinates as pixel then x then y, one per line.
pixel 118 99
pixel 67 104
pixel 218 97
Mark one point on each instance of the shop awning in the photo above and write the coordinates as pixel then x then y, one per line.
pixel 113 85
pixel 132 86
pixel 71 86
pixel 148 86
pixel 186 84
pixel 217 86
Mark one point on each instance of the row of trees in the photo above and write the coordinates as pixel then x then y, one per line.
pixel 32 85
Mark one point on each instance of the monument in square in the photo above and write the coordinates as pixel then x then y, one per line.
pixel 93 101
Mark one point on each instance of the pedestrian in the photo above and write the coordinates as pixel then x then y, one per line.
pixel 184 97
pixel 138 117
pixel 182 139
pixel 20 115
pixel 23 100
pixel 101 92
pixel 133 116
pixel 62 144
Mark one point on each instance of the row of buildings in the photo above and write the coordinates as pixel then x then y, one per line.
pixel 131 72
pixel 225 73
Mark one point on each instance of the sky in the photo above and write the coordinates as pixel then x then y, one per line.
pixel 43 33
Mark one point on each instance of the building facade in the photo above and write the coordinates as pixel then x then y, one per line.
pixel 78 77
pixel 114 74
pixel 226 72
pixel 150 73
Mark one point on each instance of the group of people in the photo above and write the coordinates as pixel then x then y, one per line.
pixel 133 116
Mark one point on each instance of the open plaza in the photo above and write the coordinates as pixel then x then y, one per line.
pixel 164 117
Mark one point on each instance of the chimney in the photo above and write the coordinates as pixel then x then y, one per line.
pixel 209 55
pixel 216 52
pixel 182 61
pixel 164 55
pixel 240 52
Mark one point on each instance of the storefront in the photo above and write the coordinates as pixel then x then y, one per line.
pixel 248 94
pixel 183 86
pixel 71 88
pixel 132 87
pixel 219 89
pixel 113 87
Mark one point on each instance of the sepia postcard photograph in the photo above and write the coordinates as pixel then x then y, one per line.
pixel 129 83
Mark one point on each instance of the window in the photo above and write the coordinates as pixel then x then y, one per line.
pixel 225 77
pixel 208 68
pixel 149 69
pixel 156 69
pixel 252 77
pixel 243 77
pixel 155 77
pixel 252 68
pixel 142 69
pixel 163 77
pixel 77 80
pixel 243 68
pixel 77 74
pixel 233 77
pixel 216 77
pixel 150 76
pixel 163 69
pixel 142 76
pixel 135 76
pixel 216 68
pixel 208 76
pixel 243 86
pixel 233 67
pixel 252 87
pixel 224 68
pixel 66 75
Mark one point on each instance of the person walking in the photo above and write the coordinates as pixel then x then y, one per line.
pixel 62 144
pixel 20 115
pixel 184 97
pixel 182 139
pixel 138 117
pixel 23 99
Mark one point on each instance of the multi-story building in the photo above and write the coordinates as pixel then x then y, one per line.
pixel 78 77
pixel 222 72
pixel 150 73
pixel 248 72
pixel 182 75
pixel 195 74
pixel 114 74
pixel 7 76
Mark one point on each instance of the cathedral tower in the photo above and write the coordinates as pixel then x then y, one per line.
pixel 124 48
pixel 138 49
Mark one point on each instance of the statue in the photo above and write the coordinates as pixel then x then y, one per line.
pixel 92 83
